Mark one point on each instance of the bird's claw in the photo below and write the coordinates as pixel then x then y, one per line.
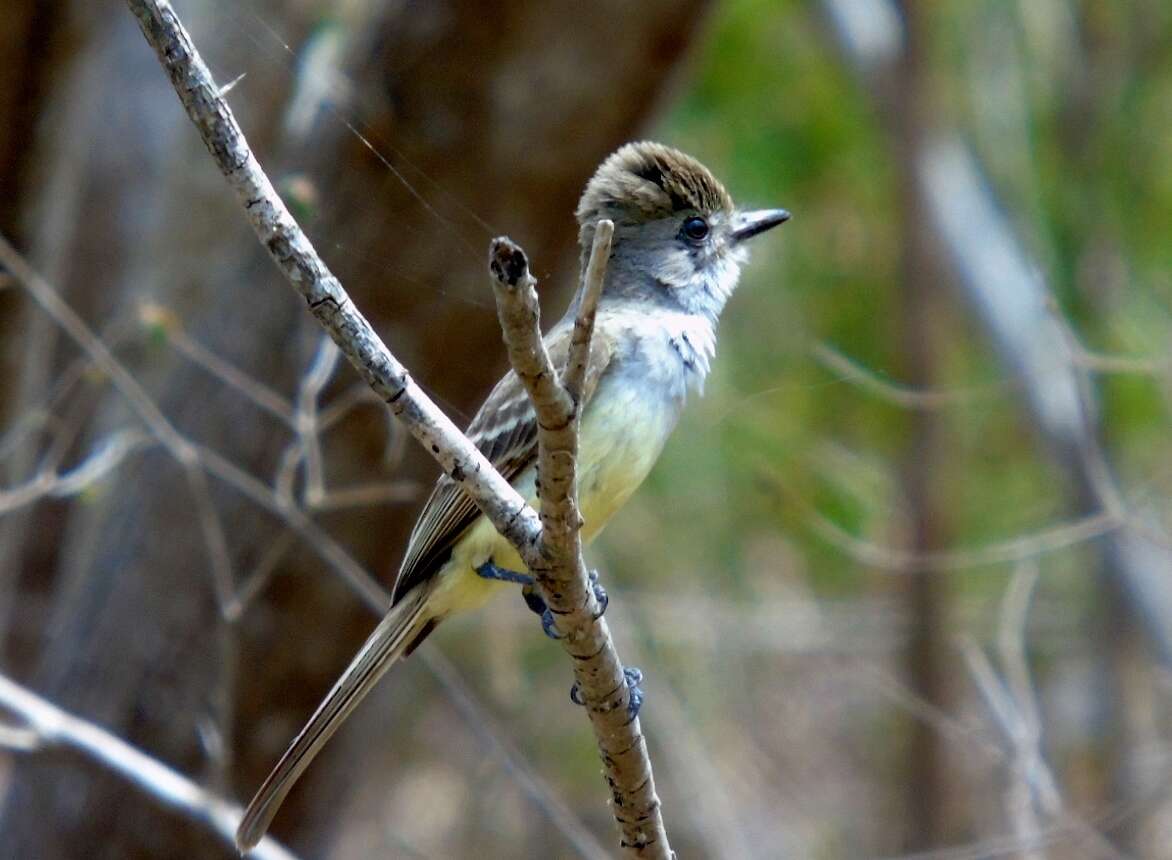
pixel 600 595
pixel 537 606
pixel 549 625
pixel 633 677
pixel 576 694
pixel 534 600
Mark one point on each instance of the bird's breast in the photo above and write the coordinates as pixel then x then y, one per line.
pixel 624 429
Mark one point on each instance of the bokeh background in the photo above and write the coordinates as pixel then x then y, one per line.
pixel 900 584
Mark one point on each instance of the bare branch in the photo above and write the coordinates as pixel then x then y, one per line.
pixel 62 314
pixel 305 423
pixel 520 316
pixel 105 458
pixel 558 567
pixel 896 393
pixel 1033 793
pixel 162 319
pixel 1010 297
pixel 896 560
pixel 46 725
pixel 595 274
pixel 493 735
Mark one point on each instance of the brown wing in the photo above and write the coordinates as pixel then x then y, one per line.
pixel 505 431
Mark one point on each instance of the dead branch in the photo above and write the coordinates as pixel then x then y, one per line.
pixel 557 566
pixel 45 725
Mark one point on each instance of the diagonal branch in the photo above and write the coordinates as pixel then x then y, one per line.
pixel 45 725
pixel 558 568
pixel 299 262
pixel 554 556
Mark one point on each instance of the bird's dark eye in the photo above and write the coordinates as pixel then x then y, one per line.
pixel 695 228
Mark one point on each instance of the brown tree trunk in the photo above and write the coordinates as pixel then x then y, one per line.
pixel 125 628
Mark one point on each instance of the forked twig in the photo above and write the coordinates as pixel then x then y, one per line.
pixel 45 725
pixel 557 566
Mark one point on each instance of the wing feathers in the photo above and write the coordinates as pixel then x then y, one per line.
pixel 505 431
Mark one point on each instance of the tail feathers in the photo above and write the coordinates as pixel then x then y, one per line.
pixel 395 635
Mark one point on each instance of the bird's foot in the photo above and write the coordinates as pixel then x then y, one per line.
pixel 537 605
pixel 488 570
pixel 533 600
pixel 600 594
pixel 633 677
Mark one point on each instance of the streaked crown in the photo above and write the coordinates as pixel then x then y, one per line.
pixel 644 181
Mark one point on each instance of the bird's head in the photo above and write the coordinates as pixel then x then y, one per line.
pixel 679 240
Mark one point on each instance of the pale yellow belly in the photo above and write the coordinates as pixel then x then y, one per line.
pixel 620 441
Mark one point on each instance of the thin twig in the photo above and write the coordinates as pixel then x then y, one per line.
pixel 897 393
pixel 1031 784
pixel 558 567
pixel 489 732
pixel 45 725
pixel 1035 787
pixel 164 320
pixel 896 560
pixel 325 361
pixel 575 375
pixel 105 458
pixel 66 317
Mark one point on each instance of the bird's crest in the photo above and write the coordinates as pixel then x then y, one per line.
pixel 649 180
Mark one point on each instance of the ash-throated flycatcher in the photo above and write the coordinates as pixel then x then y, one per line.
pixel 676 255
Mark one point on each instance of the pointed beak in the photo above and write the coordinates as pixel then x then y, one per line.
pixel 746 225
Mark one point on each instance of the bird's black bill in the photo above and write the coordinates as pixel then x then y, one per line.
pixel 749 224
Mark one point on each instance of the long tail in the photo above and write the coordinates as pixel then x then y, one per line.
pixel 401 629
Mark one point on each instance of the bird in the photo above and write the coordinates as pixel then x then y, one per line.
pixel 676 255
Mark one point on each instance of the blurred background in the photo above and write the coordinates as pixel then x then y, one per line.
pixel 901 584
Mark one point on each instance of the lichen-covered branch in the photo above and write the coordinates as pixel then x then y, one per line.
pixel 43 725
pixel 555 559
pixel 557 566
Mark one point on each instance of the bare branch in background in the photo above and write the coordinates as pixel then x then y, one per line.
pixel 900 394
pixel 44 725
pixel 899 560
pixel 552 553
pixel 486 728
pixel 1033 801
pixel 51 483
